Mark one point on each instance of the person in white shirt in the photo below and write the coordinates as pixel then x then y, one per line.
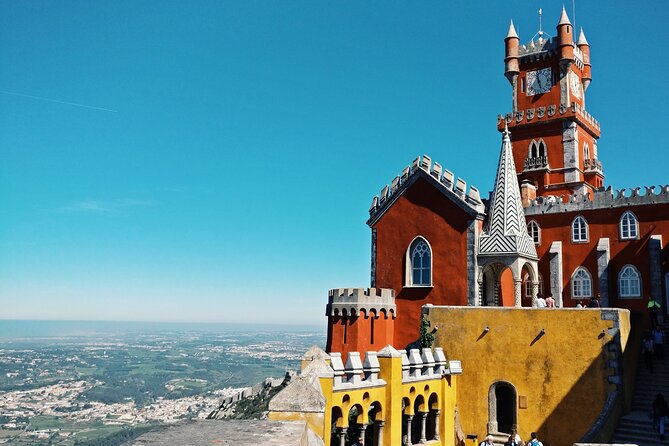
pixel 541 302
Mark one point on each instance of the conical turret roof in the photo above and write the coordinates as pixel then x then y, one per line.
pixel 512 31
pixel 506 229
pixel 564 19
pixel 581 39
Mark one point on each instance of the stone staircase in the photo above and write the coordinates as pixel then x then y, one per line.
pixel 636 427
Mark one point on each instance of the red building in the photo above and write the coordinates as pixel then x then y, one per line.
pixel 551 225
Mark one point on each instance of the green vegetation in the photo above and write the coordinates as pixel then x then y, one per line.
pixel 426 334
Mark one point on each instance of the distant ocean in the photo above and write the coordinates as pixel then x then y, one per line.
pixel 10 328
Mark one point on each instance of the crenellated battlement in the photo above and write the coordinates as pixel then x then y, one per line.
pixel 353 301
pixel 600 199
pixel 541 113
pixel 441 177
pixel 417 365
pixel 543 48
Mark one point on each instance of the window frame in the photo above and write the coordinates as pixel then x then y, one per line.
pixel 582 295
pixel 587 230
pixel 621 231
pixel 408 262
pixel 629 267
pixel 535 225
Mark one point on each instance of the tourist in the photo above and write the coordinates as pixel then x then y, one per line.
pixel 647 351
pixel 534 441
pixel 360 442
pixel 653 311
pixel 550 302
pixel 516 438
pixel 660 414
pixel 541 302
pixel 594 302
pixel 658 343
pixel 488 441
pixel 579 304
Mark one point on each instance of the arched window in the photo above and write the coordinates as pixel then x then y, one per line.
pixel 534 231
pixel 629 282
pixel 586 151
pixel 533 149
pixel 542 148
pixel 419 263
pixel 581 284
pixel 629 226
pixel 579 230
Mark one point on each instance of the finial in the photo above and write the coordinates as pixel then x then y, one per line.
pixel 512 31
pixel 581 39
pixel 564 19
pixel 541 31
pixel 506 130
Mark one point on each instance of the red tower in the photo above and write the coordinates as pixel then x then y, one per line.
pixel 554 138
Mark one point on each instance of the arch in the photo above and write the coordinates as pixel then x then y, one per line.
pixel 629 282
pixel 432 421
pixel 581 283
pixel 418 261
pixel 586 150
pixel 502 407
pixel 533 150
pixel 417 427
pixel 629 226
pixel 534 231
pixel 541 148
pixel 579 230
pixel 337 424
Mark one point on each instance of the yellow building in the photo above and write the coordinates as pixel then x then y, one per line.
pixel 391 398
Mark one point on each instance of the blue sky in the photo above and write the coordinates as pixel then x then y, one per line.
pixel 223 154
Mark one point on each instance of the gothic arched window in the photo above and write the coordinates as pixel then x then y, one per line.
pixel 629 282
pixel 535 232
pixel 533 149
pixel 586 151
pixel 579 230
pixel 581 283
pixel 419 263
pixel 629 226
pixel 542 148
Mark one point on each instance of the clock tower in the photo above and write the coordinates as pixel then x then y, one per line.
pixel 554 138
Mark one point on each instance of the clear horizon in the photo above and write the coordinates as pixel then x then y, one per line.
pixel 213 162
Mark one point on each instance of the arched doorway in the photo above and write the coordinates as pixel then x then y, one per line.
pixel 502 404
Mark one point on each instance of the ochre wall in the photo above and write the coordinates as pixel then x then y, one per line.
pixel 562 374
pixel 653 220
pixel 422 211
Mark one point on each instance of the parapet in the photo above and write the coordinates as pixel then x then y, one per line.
pixel 520 117
pixel 599 199
pixel 353 301
pixel 417 365
pixel 442 178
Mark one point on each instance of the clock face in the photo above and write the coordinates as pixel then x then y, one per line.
pixel 539 81
pixel 575 84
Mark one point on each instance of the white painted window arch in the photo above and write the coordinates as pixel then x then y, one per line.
pixel 629 226
pixel 419 263
pixel 579 230
pixel 586 151
pixel 534 230
pixel 581 283
pixel 537 148
pixel 629 282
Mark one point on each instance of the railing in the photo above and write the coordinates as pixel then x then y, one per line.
pixel 537 162
pixel 592 164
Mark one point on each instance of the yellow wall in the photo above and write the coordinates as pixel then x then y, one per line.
pixel 315 421
pixel 562 375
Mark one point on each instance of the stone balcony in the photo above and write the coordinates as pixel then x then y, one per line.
pixel 592 165
pixel 536 163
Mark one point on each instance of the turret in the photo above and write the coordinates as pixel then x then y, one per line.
pixel 565 38
pixel 584 46
pixel 511 41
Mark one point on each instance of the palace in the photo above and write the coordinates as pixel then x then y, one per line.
pixel 470 269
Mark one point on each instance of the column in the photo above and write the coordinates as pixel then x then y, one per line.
pixel 408 437
pixel 535 292
pixel 555 280
pixel 437 426
pixel 342 436
pixel 423 418
pixel 379 433
pixel 363 427
pixel 517 293
pixel 603 257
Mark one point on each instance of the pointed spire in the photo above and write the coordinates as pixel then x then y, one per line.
pixel 564 19
pixel 581 39
pixel 512 32
pixel 506 230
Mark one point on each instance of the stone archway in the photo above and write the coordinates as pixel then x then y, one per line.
pixel 502 407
